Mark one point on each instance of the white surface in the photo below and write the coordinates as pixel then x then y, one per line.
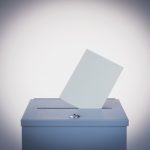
pixel 91 82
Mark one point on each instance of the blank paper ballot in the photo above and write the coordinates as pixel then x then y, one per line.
pixel 91 82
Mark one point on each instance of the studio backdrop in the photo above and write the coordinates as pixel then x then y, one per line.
pixel 41 43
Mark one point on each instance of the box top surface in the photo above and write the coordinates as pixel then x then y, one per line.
pixel 56 112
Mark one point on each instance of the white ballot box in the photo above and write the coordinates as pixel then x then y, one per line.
pixel 53 124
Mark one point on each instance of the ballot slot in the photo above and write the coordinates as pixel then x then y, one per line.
pixel 54 108
pixel 68 108
pixel 106 108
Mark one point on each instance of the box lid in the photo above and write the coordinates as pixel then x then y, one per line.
pixel 56 112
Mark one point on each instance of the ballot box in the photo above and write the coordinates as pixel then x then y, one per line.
pixel 53 124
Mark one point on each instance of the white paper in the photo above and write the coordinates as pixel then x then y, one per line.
pixel 91 82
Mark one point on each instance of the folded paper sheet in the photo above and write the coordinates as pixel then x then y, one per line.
pixel 91 82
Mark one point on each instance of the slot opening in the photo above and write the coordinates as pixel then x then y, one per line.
pixel 65 108
pixel 54 108
pixel 106 108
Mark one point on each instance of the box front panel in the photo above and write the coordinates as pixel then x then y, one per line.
pixel 74 138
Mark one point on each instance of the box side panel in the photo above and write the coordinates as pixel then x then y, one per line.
pixel 74 138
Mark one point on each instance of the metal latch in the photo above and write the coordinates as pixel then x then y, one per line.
pixel 75 116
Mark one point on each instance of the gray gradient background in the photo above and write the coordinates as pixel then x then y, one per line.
pixel 42 42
